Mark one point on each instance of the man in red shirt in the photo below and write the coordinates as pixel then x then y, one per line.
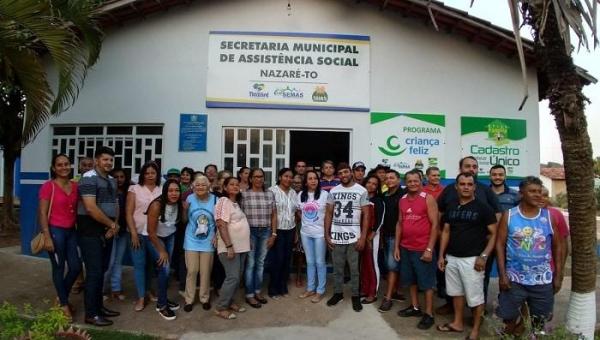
pixel 433 187
pixel 416 233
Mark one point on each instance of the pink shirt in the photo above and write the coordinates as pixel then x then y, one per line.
pixel 64 206
pixel 416 227
pixel 237 226
pixel 143 198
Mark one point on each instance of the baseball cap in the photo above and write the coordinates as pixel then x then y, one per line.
pixel 358 164
pixel 173 171
pixel 382 166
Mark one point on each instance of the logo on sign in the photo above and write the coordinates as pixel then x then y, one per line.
pixel 498 132
pixel 258 91
pixel 320 95
pixel 289 92
pixel 392 148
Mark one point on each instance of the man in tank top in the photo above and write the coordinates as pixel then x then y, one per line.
pixel 527 243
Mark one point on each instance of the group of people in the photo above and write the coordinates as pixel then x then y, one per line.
pixel 222 229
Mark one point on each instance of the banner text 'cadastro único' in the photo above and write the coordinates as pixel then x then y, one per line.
pixel 496 141
pixel 282 70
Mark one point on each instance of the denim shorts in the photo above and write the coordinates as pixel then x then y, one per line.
pixel 390 262
pixel 415 271
pixel 540 300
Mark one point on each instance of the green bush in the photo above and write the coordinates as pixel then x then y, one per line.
pixel 561 201
pixel 37 325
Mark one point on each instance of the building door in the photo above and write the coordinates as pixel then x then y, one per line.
pixel 266 148
pixel 275 148
pixel 313 147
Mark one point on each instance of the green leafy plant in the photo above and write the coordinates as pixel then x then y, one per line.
pixel 11 324
pixel 35 324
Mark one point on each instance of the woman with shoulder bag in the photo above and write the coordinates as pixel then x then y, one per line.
pixel 57 215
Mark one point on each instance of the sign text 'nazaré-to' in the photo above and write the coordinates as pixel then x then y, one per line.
pixel 282 70
pixel 406 141
pixel 495 141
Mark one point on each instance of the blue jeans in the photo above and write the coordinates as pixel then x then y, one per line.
pixel 140 270
pixel 65 250
pixel 315 249
pixel 115 267
pixel 391 263
pixel 163 271
pixel 281 258
pixel 253 275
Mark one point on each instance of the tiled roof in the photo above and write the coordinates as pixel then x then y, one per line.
pixel 553 173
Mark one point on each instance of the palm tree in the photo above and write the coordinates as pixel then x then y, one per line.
pixel 552 21
pixel 65 33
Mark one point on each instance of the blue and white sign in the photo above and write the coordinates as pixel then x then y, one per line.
pixel 284 70
pixel 192 132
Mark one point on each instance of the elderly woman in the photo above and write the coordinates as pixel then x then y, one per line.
pixel 199 241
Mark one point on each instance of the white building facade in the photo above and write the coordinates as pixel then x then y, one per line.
pixel 152 71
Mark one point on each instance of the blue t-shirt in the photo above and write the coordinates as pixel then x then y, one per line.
pixel 529 248
pixel 200 212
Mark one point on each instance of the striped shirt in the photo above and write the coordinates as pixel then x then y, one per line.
pixel 287 204
pixel 258 206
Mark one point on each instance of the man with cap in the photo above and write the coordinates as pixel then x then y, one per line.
pixel 173 173
pixel 358 171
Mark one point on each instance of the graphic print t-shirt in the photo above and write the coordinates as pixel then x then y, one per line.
pixel 313 214
pixel 347 204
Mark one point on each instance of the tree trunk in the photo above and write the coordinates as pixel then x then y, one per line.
pixel 567 106
pixel 8 222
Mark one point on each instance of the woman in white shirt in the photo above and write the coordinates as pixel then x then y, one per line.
pixel 286 201
pixel 313 202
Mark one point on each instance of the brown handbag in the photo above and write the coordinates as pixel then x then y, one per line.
pixel 38 243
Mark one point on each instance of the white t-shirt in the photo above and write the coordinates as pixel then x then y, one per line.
pixel 313 214
pixel 347 204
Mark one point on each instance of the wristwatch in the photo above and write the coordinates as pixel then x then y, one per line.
pixel 274 234
pixel 428 249
pixel 483 256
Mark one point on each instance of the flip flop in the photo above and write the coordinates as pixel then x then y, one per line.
pixel 226 314
pixel 446 328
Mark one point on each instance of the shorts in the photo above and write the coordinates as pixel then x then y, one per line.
pixel 463 280
pixel 391 263
pixel 415 271
pixel 540 300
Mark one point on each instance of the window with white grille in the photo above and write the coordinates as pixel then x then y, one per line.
pixel 266 148
pixel 133 144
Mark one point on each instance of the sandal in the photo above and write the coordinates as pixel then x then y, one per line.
pixel 306 294
pixel 140 304
pixel 237 308
pixel 261 299
pixel 317 298
pixel 226 314
pixel 118 296
pixel 446 328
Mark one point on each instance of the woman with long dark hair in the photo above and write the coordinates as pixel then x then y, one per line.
pixel 369 268
pixel 313 203
pixel 233 243
pixel 286 201
pixel 164 215
pixel 139 198
pixel 57 216
pixel 243 176
pixel 121 240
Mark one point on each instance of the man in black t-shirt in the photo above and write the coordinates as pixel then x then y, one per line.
pixel 388 231
pixel 468 238
pixel 449 196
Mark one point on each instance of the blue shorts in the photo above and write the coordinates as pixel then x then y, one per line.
pixel 390 262
pixel 416 271
pixel 540 300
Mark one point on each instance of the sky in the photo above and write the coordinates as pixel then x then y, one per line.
pixel 498 13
